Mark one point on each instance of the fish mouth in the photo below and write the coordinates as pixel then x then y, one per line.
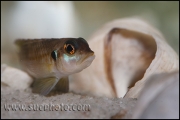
pixel 88 58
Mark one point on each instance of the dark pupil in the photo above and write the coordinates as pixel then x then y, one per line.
pixel 69 48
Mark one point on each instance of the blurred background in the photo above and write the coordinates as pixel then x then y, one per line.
pixel 78 19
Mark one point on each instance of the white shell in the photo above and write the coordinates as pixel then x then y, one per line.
pixel 160 98
pixel 128 51
pixel 15 78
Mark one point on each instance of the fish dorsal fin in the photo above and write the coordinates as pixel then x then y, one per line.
pixel 63 85
pixel 44 86
pixel 21 42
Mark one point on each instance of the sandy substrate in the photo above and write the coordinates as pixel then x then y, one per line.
pixel 158 99
pixel 100 107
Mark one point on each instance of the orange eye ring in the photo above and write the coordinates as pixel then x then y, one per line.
pixel 69 48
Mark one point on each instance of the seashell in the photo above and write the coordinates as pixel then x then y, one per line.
pixel 14 78
pixel 128 51
pixel 159 98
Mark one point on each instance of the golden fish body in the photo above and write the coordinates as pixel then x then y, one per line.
pixel 50 61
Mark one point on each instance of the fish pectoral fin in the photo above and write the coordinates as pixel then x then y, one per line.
pixel 63 85
pixel 44 86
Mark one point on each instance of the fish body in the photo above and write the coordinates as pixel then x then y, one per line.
pixel 50 61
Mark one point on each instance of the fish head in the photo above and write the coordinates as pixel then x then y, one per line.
pixel 76 56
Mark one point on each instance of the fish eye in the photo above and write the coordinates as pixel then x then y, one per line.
pixel 69 48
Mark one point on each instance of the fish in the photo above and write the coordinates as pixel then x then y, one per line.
pixel 51 61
